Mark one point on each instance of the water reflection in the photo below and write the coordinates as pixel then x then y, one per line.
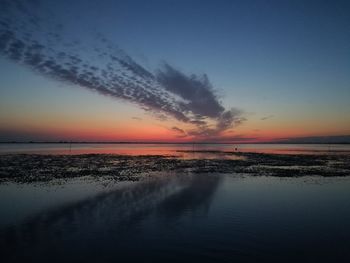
pixel 196 196
pixel 188 217
pixel 105 222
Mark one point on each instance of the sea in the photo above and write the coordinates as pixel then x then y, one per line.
pixel 169 149
pixel 176 217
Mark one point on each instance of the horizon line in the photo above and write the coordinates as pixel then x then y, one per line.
pixel 143 142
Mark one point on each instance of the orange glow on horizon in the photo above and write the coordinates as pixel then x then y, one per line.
pixel 60 128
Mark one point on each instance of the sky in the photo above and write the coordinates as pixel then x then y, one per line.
pixel 174 71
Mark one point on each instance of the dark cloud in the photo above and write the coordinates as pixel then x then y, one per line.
pixel 196 91
pixel 40 44
pixel 224 122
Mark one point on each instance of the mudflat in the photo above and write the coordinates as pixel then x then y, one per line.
pixel 36 167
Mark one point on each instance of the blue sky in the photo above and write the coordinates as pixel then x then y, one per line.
pixel 289 60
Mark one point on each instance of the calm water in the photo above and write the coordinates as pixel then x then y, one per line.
pixel 177 218
pixel 173 149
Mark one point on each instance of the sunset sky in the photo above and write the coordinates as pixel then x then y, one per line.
pixel 174 71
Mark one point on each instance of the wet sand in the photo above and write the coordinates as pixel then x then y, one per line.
pixel 24 168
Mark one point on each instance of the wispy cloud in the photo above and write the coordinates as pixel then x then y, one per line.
pixel 267 117
pixel 180 133
pixel 40 44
